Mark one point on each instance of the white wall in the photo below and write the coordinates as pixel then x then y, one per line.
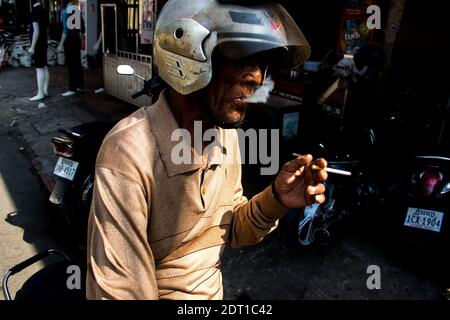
pixel 90 12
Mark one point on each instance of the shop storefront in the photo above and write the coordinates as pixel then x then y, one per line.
pixel 127 39
pixel 125 27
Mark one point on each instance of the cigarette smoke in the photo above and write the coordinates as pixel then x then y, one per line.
pixel 262 93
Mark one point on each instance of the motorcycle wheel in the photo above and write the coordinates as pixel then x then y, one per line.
pixel 323 235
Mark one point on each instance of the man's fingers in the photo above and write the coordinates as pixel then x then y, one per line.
pixel 320 198
pixel 298 162
pixel 321 162
pixel 316 190
pixel 320 175
pixel 303 160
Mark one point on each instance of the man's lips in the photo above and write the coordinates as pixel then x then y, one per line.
pixel 240 104
pixel 241 99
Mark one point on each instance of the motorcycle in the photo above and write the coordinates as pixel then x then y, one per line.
pixel 419 198
pixel 419 202
pixel 417 209
pixel 428 197
pixel 77 150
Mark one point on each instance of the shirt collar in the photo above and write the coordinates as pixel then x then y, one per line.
pixel 163 124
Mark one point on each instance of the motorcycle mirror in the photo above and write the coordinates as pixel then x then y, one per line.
pixel 125 69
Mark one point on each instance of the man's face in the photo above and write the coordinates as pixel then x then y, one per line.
pixel 233 81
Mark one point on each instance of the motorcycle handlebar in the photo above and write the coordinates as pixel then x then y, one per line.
pixel 137 94
pixel 24 264
pixel 152 87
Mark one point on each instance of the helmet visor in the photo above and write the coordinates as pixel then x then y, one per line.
pixel 277 34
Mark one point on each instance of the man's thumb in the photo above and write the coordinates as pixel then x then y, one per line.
pixel 300 161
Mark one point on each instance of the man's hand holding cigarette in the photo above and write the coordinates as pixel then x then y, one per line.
pixel 327 169
pixel 298 185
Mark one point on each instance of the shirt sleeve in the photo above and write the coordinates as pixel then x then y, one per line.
pixel 255 218
pixel 120 261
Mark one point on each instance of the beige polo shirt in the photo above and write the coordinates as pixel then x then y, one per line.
pixel 157 230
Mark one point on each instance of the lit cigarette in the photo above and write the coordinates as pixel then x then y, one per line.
pixel 332 170
pixel 327 169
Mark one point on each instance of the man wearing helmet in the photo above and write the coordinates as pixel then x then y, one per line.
pixel 157 229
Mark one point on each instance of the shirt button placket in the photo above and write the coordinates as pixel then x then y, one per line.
pixel 203 188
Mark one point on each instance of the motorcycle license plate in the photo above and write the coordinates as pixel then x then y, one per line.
pixel 424 219
pixel 65 168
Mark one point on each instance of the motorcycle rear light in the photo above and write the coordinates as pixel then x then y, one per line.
pixel 428 181
pixel 62 149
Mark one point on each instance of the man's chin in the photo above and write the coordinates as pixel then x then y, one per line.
pixel 231 124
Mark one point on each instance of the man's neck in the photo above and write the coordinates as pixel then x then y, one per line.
pixel 186 109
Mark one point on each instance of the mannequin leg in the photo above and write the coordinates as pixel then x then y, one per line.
pixel 70 52
pixel 40 76
pixel 46 81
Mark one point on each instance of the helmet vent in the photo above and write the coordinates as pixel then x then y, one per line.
pixel 179 33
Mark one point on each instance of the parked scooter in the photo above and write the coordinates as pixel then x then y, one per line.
pixel 428 198
pixel 415 216
pixel 419 201
pixel 77 150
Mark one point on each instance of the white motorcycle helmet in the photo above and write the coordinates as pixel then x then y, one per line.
pixel 187 32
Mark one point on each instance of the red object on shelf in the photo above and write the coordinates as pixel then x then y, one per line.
pixel 354 32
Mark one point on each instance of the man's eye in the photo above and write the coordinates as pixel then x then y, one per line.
pixel 251 84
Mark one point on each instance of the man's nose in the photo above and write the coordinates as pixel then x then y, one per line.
pixel 255 70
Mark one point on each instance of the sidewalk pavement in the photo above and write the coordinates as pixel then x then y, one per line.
pixel 33 124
